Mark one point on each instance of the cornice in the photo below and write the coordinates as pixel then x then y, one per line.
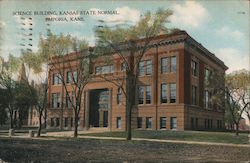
pixel 192 43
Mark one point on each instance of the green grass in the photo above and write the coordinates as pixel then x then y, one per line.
pixel 200 136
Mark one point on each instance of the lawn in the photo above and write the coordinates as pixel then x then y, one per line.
pixel 86 150
pixel 201 136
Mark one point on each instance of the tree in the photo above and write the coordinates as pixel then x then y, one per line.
pixel 54 51
pixel 233 95
pixel 38 63
pixel 34 61
pixel 40 102
pixel 9 87
pixel 238 94
pixel 3 106
pixel 17 94
pixel 24 100
pixel 131 43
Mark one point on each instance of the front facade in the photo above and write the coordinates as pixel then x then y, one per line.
pixel 171 91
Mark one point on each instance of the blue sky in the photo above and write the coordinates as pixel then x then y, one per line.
pixel 221 26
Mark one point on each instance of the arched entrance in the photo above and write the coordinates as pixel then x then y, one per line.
pixel 99 108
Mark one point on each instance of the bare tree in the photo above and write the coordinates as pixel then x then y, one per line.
pixel 55 50
pixel 131 43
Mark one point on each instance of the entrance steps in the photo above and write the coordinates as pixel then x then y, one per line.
pixel 100 129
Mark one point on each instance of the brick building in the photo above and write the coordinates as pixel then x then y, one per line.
pixel 170 91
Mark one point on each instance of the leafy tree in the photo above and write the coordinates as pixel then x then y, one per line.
pixel 17 95
pixel 233 96
pixel 24 100
pixel 130 43
pixel 9 87
pixel 53 51
pixel 238 84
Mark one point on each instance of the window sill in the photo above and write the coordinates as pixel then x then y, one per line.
pixel 56 84
pixel 167 73
pixel 145 105
pixel 168 103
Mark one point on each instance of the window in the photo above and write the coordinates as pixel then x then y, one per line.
pixel 66 122
pixel 140 94
pixel 208 123
pixel 73 94
pixel 148 94
pixel 141 68
pixel 118 122
pixel 57 79
pixel 194 67
pixel 71 122
pixel 173 64
pixel 207 73
pixel 163 122
pixel 172 93
pixel 74 76
pixel 52 122
pixel 206 99
pixel 219 124
pixel 98 70
pixel 194 95
pixel 194 123
pixel 139 122
pixel 68 100
pixel 164 93
pixel 68 77
pixel 148 122
pixel 57 122
pixel 123 66
pixel 104 100
pixel 119 96
pixel 112 68
pixel 56 100
pixel 164 65
pixel 149 67
pixel 205 123
pixel 173 123
pixel 104 69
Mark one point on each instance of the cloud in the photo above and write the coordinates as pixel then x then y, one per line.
pixel 80 36
pixel 233 58
pixel 227 32
pixel 2 24
pixel 190 14
pixel 125 14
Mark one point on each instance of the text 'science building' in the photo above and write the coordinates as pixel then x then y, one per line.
pixel 171 93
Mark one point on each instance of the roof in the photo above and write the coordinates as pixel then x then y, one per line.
pixel 161 40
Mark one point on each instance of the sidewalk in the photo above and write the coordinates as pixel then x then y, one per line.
pixel 69 134
pixel 167 141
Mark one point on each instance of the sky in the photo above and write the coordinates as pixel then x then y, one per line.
pixel 220 26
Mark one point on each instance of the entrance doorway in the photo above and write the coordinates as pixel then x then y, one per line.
pixel 99 108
